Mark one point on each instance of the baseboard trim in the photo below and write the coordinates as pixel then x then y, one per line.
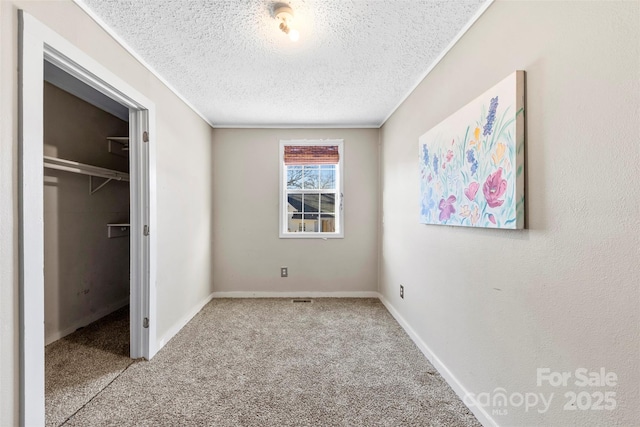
pixel 182 322
pixel 55 336
pixel 241 294
pixel 481 414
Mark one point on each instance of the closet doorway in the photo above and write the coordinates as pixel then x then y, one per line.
pixel 86 243
pixel 86 205
pixel 39 46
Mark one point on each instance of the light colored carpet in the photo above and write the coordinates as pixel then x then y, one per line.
pixel 271 362
pixel 80 365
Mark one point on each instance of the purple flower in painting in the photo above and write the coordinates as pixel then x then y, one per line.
pixel 446 208
pixel 491 117
pixel 435 164
pixel 474 167
pixel 425 154
pixel 471 158
pixel 493 188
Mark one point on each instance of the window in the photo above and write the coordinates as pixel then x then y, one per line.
pixel 311 189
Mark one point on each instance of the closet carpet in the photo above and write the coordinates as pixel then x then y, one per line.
pixel 80 365
pixel 272 362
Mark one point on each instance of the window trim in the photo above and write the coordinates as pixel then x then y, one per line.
pixel 282 208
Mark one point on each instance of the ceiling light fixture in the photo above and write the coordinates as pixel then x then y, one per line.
pixel 284 14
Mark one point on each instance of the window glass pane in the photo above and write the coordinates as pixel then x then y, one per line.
pixel 294 177
pixel 294 223
pixel 294 203
pixel 311 202
pixel 310 223
pixel 328 177
pixel 311 174
pixel 328 223
pixel 328 203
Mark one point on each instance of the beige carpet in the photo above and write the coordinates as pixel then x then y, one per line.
pixel 80 365
pixel 271 362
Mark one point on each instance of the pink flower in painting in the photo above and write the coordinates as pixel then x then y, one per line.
pixel 446 208
pixel 492 218
pixel 449 155
pixel 493 188
pixel 471 191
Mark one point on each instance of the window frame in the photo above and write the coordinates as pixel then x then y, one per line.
pixel 282 206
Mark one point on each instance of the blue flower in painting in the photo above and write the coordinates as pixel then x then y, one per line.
pixel 435 164
pixel 491 117
pixel 471 158
pixel 425 154
pixel 428 204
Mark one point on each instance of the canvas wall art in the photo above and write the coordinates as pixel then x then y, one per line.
pixel 472 163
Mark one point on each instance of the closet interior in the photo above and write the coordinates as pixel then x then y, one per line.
pixel 86 213
pixel 86 208
pixel 86 237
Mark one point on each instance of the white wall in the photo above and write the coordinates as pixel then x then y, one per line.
pixel 86 274
pixel 495 305
pixel 183 165
pixel 247 252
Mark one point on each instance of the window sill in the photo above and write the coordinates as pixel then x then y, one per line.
pixel 302 235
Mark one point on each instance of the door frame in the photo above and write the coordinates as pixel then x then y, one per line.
pixel 38 43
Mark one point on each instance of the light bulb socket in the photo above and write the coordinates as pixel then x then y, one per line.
pixel 283 12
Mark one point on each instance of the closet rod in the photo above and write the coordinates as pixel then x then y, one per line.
pixel 81 168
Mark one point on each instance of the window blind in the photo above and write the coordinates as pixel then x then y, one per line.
pixel 311 155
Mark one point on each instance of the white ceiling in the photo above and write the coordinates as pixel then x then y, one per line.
pixel 356 60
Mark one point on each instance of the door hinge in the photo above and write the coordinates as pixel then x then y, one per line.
pixel 145 322
pixel 145 136
pixel 145 231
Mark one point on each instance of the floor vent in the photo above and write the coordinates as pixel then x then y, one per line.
pixel 301 300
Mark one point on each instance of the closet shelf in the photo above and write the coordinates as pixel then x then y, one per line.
pixel 122 143
pixel 117 230
pixel 84 169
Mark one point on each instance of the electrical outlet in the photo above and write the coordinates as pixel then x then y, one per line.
pixel 284 272
pixel 401 291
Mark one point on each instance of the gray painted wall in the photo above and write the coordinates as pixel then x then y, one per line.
pixel 247 252
pixel 86 274
pixel 492 305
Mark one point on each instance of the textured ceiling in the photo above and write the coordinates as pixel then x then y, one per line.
pixel 354 62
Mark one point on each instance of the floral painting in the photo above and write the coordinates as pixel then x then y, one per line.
pixel 472 164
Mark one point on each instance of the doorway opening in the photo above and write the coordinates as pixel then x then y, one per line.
pixel 40 47
pixel 86 243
